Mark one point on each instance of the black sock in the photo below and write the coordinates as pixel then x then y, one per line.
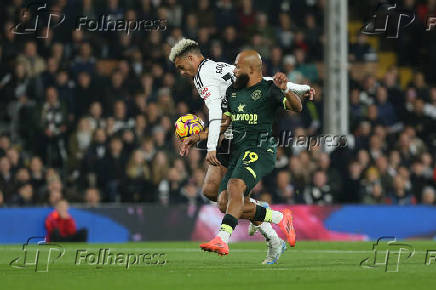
pixel 260 214
pixel 230 220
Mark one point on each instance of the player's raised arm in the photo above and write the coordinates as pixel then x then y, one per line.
pixel 293 102
pixel 300 90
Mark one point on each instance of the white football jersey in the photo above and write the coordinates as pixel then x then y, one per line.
pixel 212 80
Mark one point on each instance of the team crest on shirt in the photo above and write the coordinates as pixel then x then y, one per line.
pixel 233 95
pixel 256 95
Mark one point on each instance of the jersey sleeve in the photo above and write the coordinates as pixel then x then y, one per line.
pixel 213 103
pixel 277 97
pixel 225 104
pixel 212 82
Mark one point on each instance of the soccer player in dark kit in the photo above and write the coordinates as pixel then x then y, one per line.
pixel 250 106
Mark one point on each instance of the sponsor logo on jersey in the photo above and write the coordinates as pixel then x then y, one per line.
pixel 256 95
pixel 250 118
pixel 204 93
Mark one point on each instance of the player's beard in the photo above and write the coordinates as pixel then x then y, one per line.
pixel 241 81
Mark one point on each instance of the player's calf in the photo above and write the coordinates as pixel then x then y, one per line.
pixel 235 193
pixel 222 201
pixel 210 190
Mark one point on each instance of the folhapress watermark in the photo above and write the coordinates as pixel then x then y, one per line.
pixel 389 20
pixel 38 255
pixel 38 19
pixel 388 254
pixel 104 257
pixel 105 23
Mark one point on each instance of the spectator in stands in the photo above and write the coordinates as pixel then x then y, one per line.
pixel 114 170
pixel 15 159
pixel 79 143
pixel 351 192
pixel 53 125
pixel 24 196
pixel 121 118
pixel 84 94
pixel 308 70
pixel 7 183
pixel 84 61
pixel 32 62
pixel 382 166
pixel 362 50
pixel 384 108
pixel 285 192
pixel 428 196
pixel 37 176
pixel 95 116
pixel 55 190
pixel 5 144
pixel 92 197
pixel 375 195
pixel 333 176
pixel 319 192
pixel 138 179
pixel 400 195
pixel 61 227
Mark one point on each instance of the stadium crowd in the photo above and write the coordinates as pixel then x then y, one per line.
pixel 71 129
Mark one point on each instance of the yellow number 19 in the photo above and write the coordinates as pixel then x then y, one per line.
pixel 253 156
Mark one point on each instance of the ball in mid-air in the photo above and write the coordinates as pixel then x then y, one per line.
pixel 188 125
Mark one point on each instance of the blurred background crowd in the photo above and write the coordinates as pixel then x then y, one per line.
pixel 88 116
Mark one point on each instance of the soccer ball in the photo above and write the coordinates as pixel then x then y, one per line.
pixel 188 125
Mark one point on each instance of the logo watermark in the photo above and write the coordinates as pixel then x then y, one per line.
pixel 103 257
pixel 388 253
pixel 38 20
pixel 38 255
pixel 389 20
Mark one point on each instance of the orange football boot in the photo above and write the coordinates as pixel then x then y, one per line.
pixel 287 226
pixel 216 245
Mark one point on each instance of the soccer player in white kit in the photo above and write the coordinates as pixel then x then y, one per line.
pixel 211 80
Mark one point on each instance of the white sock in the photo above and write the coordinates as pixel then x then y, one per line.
pixel 299 89
pixel 273 216
pixel 276 216
pixel 224 235
pixel 268 232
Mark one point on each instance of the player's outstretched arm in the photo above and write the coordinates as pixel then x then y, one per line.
pixel 293 102
pixel 195 138
pixel 300 90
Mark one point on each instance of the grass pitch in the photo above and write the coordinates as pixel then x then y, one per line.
pixel 311 265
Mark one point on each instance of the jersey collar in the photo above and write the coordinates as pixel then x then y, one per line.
pixel 201 64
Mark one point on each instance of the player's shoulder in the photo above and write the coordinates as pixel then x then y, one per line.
pixel 230 90
pixel 269 83
pixel 210 69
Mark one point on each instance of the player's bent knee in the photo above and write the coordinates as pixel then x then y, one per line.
pixel 236 187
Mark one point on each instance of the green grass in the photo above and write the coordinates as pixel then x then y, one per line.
pixel 311 265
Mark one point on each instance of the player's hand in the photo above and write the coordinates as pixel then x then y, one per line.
pixel 310 94
pixel 212 159
pixel 280 80
pixel 187 144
